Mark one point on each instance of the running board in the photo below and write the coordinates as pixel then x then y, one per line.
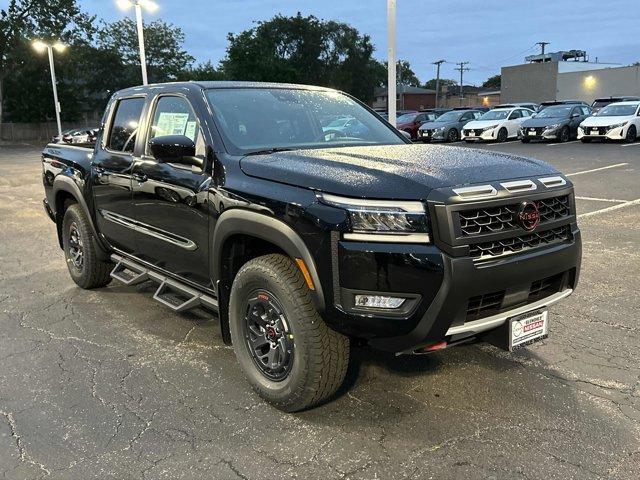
pixel 171 293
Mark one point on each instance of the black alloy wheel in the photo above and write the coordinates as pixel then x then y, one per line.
pixel 631 134
pixel 565 135
pixel 76 250
pixel 503 135
pixel 452 136
pixel 268 336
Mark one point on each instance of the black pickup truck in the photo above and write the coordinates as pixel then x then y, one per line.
pixel 257 201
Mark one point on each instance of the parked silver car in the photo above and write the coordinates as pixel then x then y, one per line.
pixel 447 127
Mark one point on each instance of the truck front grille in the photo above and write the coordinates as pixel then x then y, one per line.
pixel 520 243
pixel 501 218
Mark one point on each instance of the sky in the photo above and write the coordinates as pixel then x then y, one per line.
pixel 487 33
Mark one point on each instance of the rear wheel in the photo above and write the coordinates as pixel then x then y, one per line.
pixel 85 268
pixel 503 135
pixel 290 356
pixel 631 134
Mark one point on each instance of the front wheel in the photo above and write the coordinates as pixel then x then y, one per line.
pixel 503 135
pixel 565 135
pixel 290 356
pixel 452 136
pixel 631 134
pixel 85 268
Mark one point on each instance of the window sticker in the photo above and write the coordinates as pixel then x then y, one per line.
pixel 170 123
pixel 190 130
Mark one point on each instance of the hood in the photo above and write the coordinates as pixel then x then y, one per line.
pixel 543 122
pixel 389 172
pixel 605 121
pixel 478 124
pixel 436 124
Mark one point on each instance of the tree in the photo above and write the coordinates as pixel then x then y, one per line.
pixel 203 71
pixel 444 82
pixel 166 59
pixel 493 82
pixel 303 50
pixel 24 20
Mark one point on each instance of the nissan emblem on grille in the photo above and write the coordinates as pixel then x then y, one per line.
pixel 528 216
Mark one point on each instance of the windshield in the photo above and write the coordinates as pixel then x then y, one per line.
pixel 602 103
pixel 555 112
pixel 495 115
pixel 616 110
pixel 406 118
pixel 449 117
pixel 255 119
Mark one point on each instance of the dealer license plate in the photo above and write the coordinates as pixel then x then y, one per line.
pixel 528 328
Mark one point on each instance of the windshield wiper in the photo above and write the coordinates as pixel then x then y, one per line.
pixel 268 151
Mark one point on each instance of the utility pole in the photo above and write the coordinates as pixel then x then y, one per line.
pixel 437 64
pixel 461 68
pixel 542 48
pixel 391 61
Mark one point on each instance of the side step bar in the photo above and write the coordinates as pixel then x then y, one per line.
pixel 171 293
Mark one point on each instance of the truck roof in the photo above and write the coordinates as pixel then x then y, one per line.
pixel 203 85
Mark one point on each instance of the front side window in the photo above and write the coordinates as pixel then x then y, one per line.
pixel 174 116
pixel 124 127
pixel 256 119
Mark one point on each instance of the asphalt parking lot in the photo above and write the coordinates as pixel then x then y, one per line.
pixel 109 384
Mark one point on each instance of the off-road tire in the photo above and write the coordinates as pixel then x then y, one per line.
pixel 320 355
pixel 93 272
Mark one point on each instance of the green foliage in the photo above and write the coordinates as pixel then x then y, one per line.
pixel 202 72
pixel 493 82
pixel 431 84
pixel 303 50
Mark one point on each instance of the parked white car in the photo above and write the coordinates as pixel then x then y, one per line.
pixel 498 124
pixel 617 121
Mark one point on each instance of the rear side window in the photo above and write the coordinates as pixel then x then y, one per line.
pixel 125 123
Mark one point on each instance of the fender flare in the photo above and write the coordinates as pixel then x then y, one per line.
pixel 63 183
pixel 254 224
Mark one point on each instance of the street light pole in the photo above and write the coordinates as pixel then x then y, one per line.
pixel 391 61
pixel 56 103
pixel 143 59
pixel 437 64
pixel 58 46
pixel 137 5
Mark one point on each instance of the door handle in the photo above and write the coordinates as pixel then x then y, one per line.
pixel 139 177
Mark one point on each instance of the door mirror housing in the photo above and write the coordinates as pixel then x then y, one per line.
pixel 177 149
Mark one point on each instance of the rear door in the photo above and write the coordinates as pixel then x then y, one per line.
pixel 111 168
pixel 170 200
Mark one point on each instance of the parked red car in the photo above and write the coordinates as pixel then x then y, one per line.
pixel 410 122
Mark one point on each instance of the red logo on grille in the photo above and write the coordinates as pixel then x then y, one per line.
pixel 528 216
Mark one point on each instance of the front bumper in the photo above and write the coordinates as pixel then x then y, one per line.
pixel 431 135
pixel 601 133
pixel 539 134
pixel 445 319
pixel 478 136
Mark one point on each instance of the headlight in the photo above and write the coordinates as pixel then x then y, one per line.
pixel 486 129
pixel 382 220
pixel 555 126
pixel 440 129
pixel 618 125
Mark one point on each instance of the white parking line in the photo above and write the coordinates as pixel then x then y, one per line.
pixel 565 143
pixel 594 199
pixel 609 209
pixel 597 169
pixel 631 144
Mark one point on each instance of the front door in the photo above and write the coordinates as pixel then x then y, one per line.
pixel 170 200
pixel 111 169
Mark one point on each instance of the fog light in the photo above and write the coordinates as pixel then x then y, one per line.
pixel 377 301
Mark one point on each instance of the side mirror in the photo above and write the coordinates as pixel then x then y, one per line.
pixel 177 149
